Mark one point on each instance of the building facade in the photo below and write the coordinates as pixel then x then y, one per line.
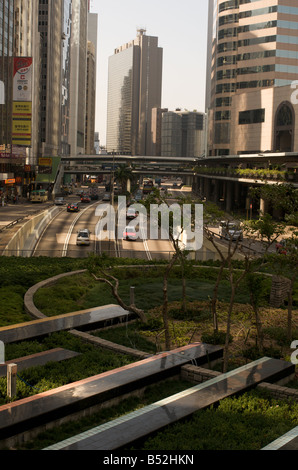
pixel 91 83
pixel 6 68
pixel 134 89
pixel 251 46
pixel 78 76
pixel 90 100
pixel 182 134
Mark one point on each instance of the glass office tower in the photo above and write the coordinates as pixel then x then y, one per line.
pixel 134 89
pixel 120 102
pixel 251 45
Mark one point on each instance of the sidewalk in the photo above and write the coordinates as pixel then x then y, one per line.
pixel 19 213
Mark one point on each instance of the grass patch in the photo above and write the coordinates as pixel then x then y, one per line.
pixel 82 292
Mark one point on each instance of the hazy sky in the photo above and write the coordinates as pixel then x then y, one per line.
pixel 181 28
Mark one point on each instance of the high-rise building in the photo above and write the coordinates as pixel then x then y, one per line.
pixel 91 83
pixel 51 16
pixel 90 99
pixel 156 122
pixel 252 46
pixel 6 69
pixel 27 44
pixel 134 89
pixel 78 76
pixel 182 134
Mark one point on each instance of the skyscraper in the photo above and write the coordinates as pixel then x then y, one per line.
pixel 6 68
pixel 134 89
pixel 182 134
pixel 50 27
pixel 252 45
pixel 91 83
pixel 78 76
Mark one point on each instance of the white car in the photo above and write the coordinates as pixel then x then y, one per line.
pixel 230 231
pixel 129 233
pixel 83 237
pixel 131 213
pixel 59 201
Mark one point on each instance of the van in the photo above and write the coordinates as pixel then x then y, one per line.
pixel 83 237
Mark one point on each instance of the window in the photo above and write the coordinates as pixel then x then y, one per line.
pixel 252 116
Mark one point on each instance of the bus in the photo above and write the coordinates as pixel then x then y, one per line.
pixel 38 195
pixel 147 185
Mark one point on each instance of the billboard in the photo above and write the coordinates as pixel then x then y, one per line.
pixel 22 101
pixel 22 78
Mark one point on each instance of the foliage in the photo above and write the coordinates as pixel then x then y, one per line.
pixel 280 196
pixel 91 361
pixel 248 422
pixel 216 337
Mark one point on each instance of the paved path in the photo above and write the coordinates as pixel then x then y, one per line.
pixel 126 430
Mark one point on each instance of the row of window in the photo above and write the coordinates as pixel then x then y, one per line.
pixel 233 45
pixel 233 59
pixel 252 116
pixel 234 17
pixel 231 4
pixel 233 32
pixel 233 87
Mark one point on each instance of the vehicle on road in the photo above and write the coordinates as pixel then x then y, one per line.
pixel 106 197
pixel 94 193
pixel 230 231
pixel 131 213
pixel 38 195
pixel 85 198
pixel 147 185
pixel 129 233
pixel 139 196
pixel 83 237
pixel 73 207
pixel 59 201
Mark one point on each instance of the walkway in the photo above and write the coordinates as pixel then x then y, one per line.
pixel 125 431
pixel 22 415
pixel 288 441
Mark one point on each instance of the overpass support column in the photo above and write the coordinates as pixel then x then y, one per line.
pixel 236 196
pixel 229 194
pixel 207 188
pixel 263 206
pixel 216 191
pixel 189 180
pixel 195 184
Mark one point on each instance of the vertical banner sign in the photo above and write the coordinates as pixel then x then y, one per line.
pixel 22 101
pixel 22 79
pixel 2 93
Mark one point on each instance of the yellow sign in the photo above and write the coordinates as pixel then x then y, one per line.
pixel 21 123
pixel 22 108
pixel 21 131
pixel 10 181
pixel 45 161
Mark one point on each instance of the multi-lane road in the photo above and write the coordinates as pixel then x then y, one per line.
pixel 59 237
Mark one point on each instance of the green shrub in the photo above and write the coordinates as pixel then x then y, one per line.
pixel 216 337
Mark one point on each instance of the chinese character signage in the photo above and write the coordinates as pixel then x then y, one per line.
pixel 22 101
pixel 22 79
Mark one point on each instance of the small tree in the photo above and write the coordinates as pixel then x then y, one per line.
pixel 94 266
pixel 286 264
pixel 123 173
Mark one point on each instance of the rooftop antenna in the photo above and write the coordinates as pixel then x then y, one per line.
pixel 141 31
